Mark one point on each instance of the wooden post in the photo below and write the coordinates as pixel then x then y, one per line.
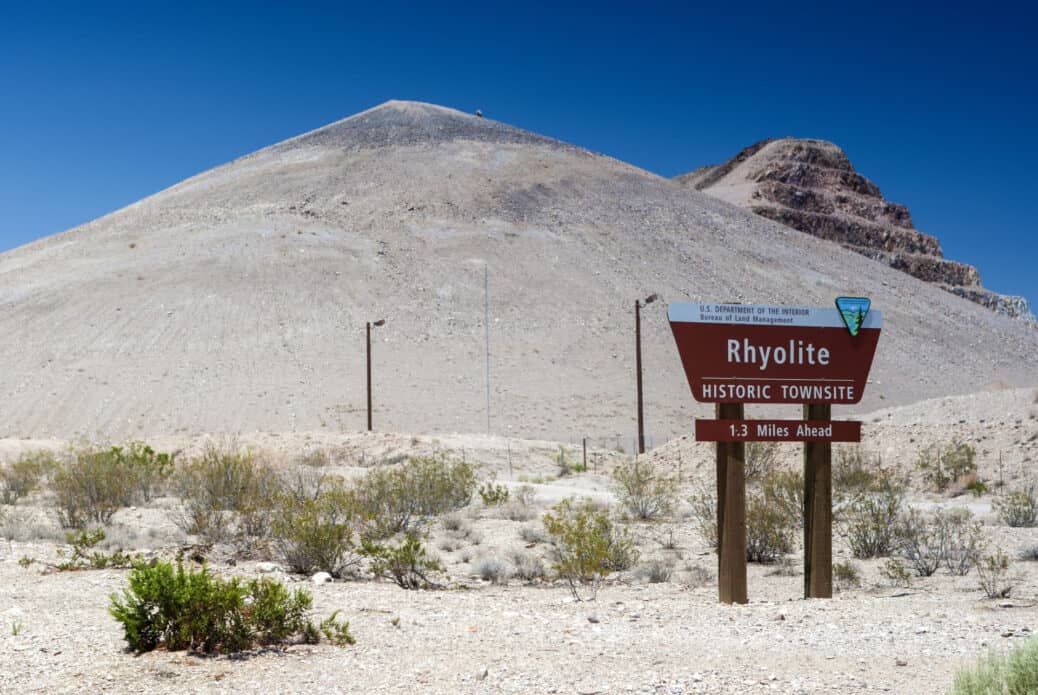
pixel 585 454
pixel 818 510
pixel 731 513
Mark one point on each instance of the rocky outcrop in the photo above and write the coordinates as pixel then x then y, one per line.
pixel 811 186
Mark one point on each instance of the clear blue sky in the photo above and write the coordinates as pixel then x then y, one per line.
pixel 936 104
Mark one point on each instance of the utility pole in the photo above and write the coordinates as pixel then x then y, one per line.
pixel 638 365
pixel 380 322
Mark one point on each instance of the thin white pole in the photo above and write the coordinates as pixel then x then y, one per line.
pixel 486 330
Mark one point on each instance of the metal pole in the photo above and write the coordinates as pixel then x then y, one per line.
pixel 369 374
pixel 638 369
pixel 486 329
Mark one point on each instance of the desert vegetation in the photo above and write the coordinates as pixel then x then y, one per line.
pixel 242 526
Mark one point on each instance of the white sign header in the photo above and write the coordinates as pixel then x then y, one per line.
pixel 765 315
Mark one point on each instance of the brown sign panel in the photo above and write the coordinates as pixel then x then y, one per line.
pixel 778 431
pixel 739 353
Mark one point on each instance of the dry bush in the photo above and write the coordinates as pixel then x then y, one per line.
pixel 227 492
pixel 869 522
pixel 769 530
pixel 21 477
pixel 852 473
pixel 846 575
pixel 402 498
pixel 494 570
pixel 643 492
pixel 761 459
pixel 696 576
pixel 942 464
pixel 784 491
pixel 314 534
pixel 658 570
pixel 948 538
pixel 770 526
pixel 1018 508
pixel 532 534
pixel 91 486
pixel 994 576
pixel 527 566
pixel 704 515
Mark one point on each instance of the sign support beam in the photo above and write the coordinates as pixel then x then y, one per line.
pixel 731 513
pixel 818 510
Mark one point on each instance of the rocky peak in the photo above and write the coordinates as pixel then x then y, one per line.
pixel 811 186
pixel 403 123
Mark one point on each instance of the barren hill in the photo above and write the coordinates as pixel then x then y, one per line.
pixel 236 300
pixel 811 186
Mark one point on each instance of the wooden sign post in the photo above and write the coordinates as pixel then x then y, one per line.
pixel 735 354
pixel 731 513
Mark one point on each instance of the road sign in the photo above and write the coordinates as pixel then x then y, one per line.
pixel 778 431
pixel 742 353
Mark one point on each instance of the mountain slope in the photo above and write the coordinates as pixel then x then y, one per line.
pixel 236 300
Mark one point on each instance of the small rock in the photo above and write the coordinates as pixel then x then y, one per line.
pixel 484 672
pixel 900 662
pixel 592 618
pixel 321 578
pixel 268 567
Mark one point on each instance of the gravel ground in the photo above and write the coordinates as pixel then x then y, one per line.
pixel 635 638
pixel 477 637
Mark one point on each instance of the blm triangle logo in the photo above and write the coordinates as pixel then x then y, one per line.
pixel 853 310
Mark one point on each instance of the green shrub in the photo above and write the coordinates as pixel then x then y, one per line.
pixel 315 534
pixel 20 478
pixel 586 545
pixel 338 633
pixel 493 495
pixel 769 530
pixel 1015 673
pixel 943 464
pixel 643 492
pixel 406 563
pixel 869 522
pixel 1018 508
pixel 83 556
pixel 226 492
pixel 400 499
pixel 148 469
pixel 176 609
